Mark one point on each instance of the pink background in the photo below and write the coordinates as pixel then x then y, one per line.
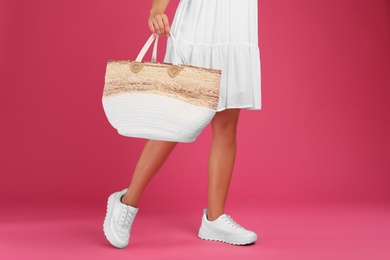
pixel 323 133
pixel 322 136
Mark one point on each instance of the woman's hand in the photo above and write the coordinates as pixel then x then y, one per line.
pixel 159 24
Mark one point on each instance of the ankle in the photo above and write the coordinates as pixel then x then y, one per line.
pixel 128 202
pixel 211 216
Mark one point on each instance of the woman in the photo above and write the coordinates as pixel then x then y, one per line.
pixel 220 34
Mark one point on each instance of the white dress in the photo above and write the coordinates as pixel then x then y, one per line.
pixel 222 34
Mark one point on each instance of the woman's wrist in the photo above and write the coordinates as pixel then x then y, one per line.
pixel 154 12
pixel 158 21
pixel 158 7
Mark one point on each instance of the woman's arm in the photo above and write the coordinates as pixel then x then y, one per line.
pixel 158 21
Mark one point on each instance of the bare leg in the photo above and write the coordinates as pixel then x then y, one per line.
pixel 152 158
pixel 221 160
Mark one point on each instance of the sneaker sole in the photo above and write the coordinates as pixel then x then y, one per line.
pixel 106 225
pixel 213 237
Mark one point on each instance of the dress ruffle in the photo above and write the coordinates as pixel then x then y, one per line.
pixel 222 34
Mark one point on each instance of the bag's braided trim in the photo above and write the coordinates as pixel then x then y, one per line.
pixel 194 85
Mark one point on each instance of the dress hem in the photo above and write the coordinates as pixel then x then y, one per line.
pixel 240 107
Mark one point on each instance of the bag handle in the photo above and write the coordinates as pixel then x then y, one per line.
pixel 154 38
pixel 177 50
pixel 146 48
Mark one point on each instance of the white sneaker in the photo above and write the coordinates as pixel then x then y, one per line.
pixel 225 229
pixel 119 217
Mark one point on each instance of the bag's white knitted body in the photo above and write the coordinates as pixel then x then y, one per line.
pixel 156 117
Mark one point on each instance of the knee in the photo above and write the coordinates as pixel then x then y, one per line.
pixel 225 129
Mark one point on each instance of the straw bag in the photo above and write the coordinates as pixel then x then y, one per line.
pixel 160 101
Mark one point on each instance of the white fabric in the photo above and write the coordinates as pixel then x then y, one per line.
pixel 153 117
pixel 222 34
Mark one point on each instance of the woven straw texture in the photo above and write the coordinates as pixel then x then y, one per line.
pixel 194 85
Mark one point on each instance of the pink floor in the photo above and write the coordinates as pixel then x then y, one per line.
pixel 343 232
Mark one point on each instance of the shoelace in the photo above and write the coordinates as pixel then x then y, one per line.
pixel 126 218
pixel 231 222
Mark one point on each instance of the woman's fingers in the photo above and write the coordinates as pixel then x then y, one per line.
pixel 151 27
pixel 159 24
pixel 166 27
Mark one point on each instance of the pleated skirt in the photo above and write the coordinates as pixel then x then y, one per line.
pixel 222 34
